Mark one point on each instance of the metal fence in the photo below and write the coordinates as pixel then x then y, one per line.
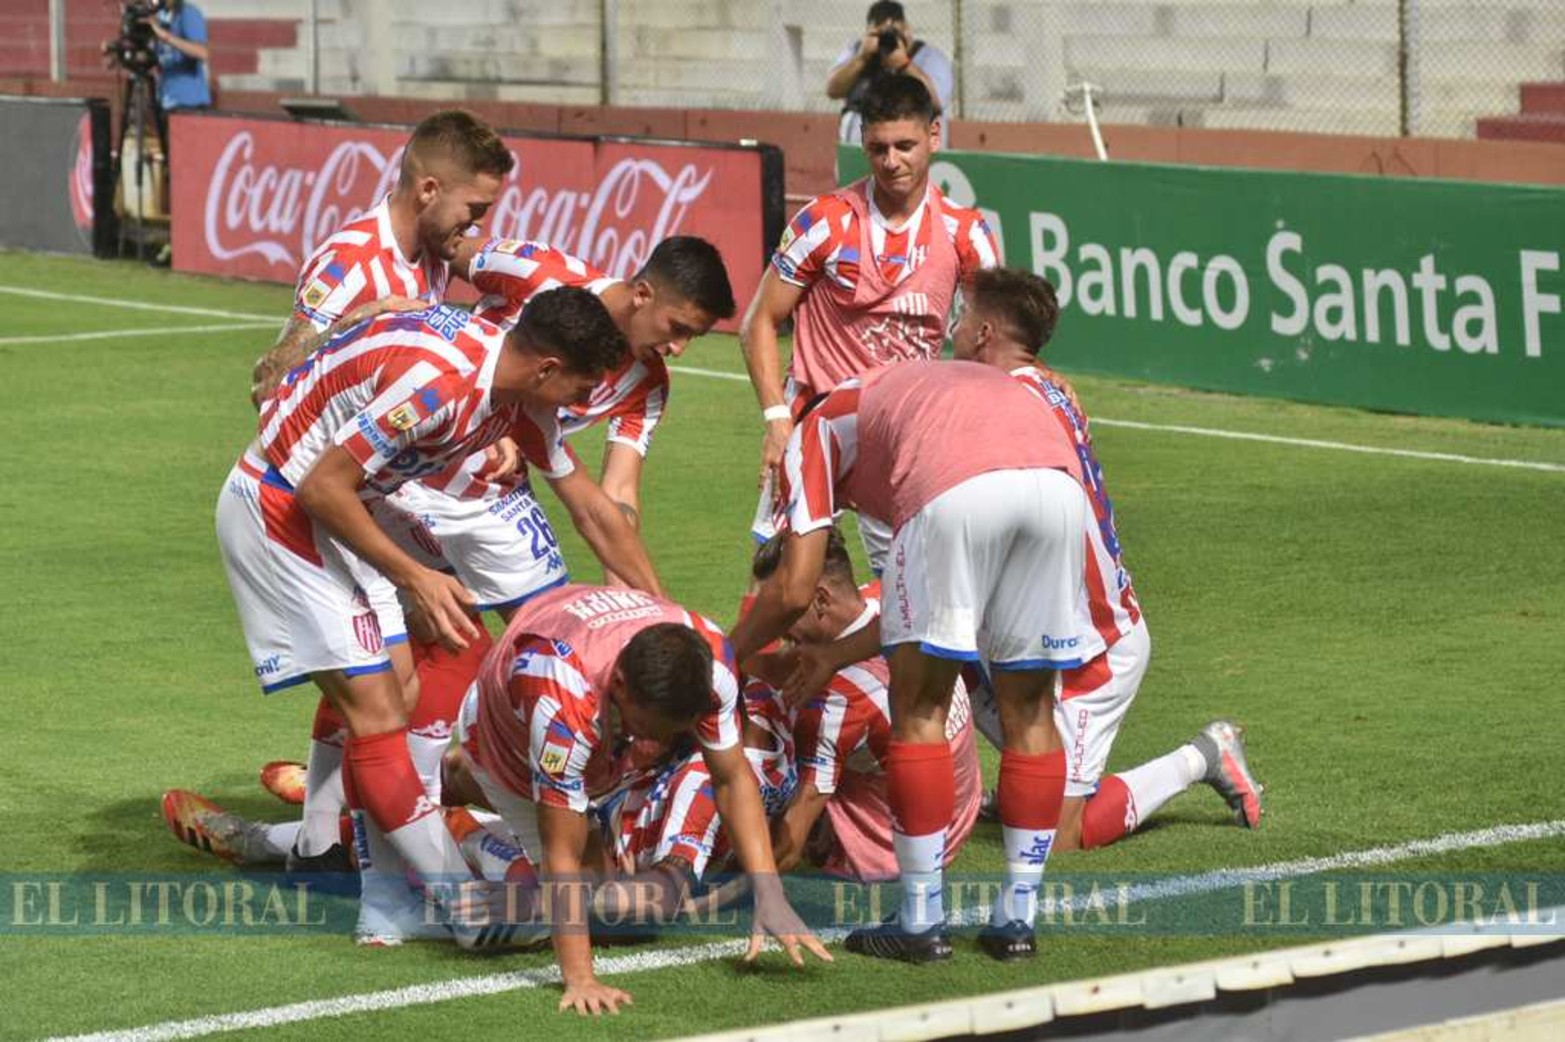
pixel 1426 67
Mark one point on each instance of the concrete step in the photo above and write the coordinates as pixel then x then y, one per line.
pixel 1542 98
pixel 1537 126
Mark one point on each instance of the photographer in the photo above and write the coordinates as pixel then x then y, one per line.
pixel 182 56
pixel 888 48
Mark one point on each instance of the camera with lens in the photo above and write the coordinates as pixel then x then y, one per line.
pixel 136 48
pixel 889 40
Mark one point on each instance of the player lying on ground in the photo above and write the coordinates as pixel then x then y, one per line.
pixel 867 274
pixel 838 817
pixel 576 668
pixel 398 398
pixel 986 563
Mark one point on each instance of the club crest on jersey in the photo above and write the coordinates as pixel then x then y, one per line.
pixel 506 246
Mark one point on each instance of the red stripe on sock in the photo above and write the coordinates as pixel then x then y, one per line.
pixel 1032 789
pixel 921 786
pixel 1108 815
pixel 384 780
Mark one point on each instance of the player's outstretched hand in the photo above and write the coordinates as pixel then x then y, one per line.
pixel 593 997
pixel 444 602
pixel 776 917
pixel 773 445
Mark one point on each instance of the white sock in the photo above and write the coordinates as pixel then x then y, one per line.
pixel 386 896
pixel 1026 854
pixel 323 799
pixel 490 855
pixel 427 754
pixel 1157 781
pixel 919 865
pixel 279 837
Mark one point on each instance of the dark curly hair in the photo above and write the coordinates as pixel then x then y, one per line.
pixel 572 323
pixel 693 270
pixel 668 670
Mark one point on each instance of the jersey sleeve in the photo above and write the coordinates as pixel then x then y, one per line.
pixel 516 270
pixel 976 247
pixel 541 440
pixel 723 725
pixel 813 234
pixel 634 419
pixel 328 290
pixel 824 734
pixel 398 418
pixel 548 689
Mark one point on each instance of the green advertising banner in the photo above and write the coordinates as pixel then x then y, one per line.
pixel 1410 295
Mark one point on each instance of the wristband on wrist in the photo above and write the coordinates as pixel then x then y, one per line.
pixel 776 412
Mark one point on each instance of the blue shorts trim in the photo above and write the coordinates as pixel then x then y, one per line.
pixel 283 685
pixel 395 638
pixel 275 478
pixel 948 653
pixel 524 598
pixel 364 671
pixel 1026 664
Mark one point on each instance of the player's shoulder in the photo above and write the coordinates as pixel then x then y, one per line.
pixel 953 212
pixel 831 210
pixel 355 242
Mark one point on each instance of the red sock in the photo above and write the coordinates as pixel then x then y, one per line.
pixel 1032 789
pixel 329 727
pixel 1108 815
pixel 921 786
pixel 379 773
pixel 443 679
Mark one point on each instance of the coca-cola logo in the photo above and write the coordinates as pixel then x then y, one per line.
pixel 280 213
pixel 258 207
pixel 613 227
pixel 80 178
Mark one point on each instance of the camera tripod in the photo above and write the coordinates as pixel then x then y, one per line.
pixel 139 102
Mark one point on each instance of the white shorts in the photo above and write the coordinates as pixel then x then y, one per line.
pixel 992 570
pixel 1090 704
pixel 502 549
pixel 306 602
pixel 518 812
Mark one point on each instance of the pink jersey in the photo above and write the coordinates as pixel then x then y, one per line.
pixel 891 441
pixel 874 295
pixel 841 737
pixel 362 263
pixel 405 394
pixel 1111 600
pixel 540 725
pixel 631 398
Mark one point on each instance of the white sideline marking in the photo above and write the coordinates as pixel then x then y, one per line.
pixel 493 984
pixel 114 334
pixel 140 305
pixel 1274 439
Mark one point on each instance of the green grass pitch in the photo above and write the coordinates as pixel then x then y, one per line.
pixel 1388 628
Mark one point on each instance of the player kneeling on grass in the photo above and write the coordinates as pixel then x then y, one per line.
pixel 576 669
pixel 838 816
pixel 1007 316
pixel 986 562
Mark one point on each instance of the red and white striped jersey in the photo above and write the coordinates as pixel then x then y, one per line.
pixel 631 398
pixel 889 442
pixel 1110 599
pixel 542 732
pixel 362 263
pixel 822 242
pixel 405 394
pixel 510 272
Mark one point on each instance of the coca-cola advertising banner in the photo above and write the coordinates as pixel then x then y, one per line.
pixel 58 175
pixel 252 197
